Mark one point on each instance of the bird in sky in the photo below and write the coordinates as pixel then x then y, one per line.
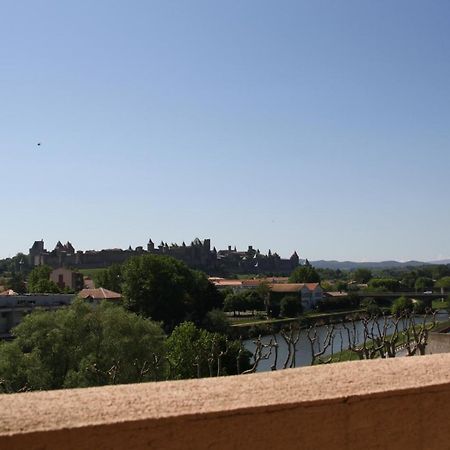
pixel 39 144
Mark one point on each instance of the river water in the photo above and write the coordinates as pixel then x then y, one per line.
pixel 304 352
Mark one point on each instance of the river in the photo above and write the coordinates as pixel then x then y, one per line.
pixel 303 352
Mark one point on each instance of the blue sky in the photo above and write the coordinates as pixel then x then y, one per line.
pixel 318 126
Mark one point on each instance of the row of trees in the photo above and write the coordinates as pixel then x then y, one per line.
pixel 254 301
pixel 363 337
pixel 83 345
pixel 418 279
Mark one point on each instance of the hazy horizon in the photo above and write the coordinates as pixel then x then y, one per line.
pixel 319 127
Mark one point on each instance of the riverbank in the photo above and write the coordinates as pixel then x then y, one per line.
pixel 338 351
pixel 256 327
pixel 349 355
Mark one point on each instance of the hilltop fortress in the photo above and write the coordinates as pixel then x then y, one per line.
pixel 197 255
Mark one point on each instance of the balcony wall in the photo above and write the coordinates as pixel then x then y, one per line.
pixel 400 403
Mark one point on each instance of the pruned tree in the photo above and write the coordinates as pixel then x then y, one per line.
pixel 319 347
pixel 262 352
pixel 416 334
pixel 291 336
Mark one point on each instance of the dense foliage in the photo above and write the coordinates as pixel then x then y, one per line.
pixel 305 274
pixel 384 284
pixel 110 278
pixel 82 346
pixel 243 301
pixel 290 306
pixel 194 353
pixel 402 305
pixel 165 289
pixel 39 281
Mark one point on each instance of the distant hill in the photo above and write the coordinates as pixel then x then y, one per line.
pixel 351 265
pixel 440 261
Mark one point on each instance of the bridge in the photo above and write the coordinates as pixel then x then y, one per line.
pixel 388 295
pixel 392 295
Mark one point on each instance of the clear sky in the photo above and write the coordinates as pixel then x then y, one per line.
pixel 316 126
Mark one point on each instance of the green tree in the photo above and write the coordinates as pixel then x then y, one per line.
pixel 440 271
pixel 216 321
pixel 443 283
pixel 165 289
pixel 304 274
pixel 110 278
pixel 371 307
pixel 39 281
pixel 235 302
pixel 80 346
pixel 409 279
pixel 253 301
pixel 423 284
pixel 362 275
pixel 290 306
pixel 384 284
pixel 17 283
pixel 19 263
pixel 402 305
pixel 419 307
pixel 193 352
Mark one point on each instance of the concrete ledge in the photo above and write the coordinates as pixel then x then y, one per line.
pixel 397 403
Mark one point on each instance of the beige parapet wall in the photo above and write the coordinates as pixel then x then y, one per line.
pixel 401 403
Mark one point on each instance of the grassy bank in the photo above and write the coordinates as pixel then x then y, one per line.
pixel 90 272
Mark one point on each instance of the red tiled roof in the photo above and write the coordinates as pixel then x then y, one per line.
pixel 99 294
pixel 292 287
pixel 286 287
pixel 228 283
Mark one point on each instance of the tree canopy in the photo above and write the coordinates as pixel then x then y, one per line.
pixel 443 283
pixel 423 284
pixel 165 289
pixel 110 278
pixel 384 284
pixel 80 346
pixel 305 274
pixel 290 306
pixel 193 352
pixel 362 275
pixel 39 281
pixel 402 305
pixel 16 282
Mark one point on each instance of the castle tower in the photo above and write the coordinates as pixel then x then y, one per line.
pixel 69 248
pixel 295 260
pixel 36 253
pixel 150 246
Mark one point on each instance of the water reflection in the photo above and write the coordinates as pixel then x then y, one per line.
pixel 303 354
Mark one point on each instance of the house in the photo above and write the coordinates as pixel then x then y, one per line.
pixel 14 307
pixel 67 279
pixel 222 283
pixel 309 293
